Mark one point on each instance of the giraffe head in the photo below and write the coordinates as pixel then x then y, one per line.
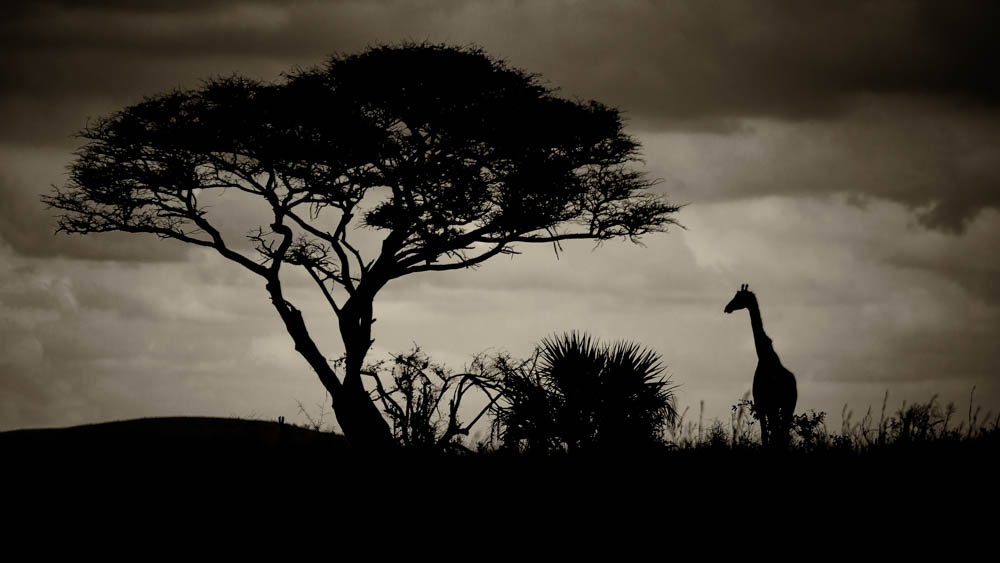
pixel 741 300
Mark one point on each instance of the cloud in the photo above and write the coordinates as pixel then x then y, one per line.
pixel 846 315
pixel 91 341
pixel 969 260
pixel 671 64
pixel 84 342
pixel 29 227
pixel 890 100
pixel 889 320
pixel 815 143
pixel 666 64
pixel 941 162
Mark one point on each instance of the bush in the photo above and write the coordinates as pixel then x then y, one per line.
pixel 576 395
pixel 422 400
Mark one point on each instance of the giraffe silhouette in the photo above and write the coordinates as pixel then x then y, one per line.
pixel 774 391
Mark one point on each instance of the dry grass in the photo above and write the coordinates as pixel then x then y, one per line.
pixel 914 426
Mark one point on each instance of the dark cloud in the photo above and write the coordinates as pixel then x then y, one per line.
pixel 698 66
pixel 940 161
pixel 150 6
pixel 29 228
pixel 710 61
pixel 969 261
pixel 662 62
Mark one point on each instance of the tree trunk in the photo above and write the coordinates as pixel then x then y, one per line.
pixel 355 330
pixel 368 429
pixel 359 418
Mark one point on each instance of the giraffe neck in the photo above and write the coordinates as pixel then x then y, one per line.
pixel 760 339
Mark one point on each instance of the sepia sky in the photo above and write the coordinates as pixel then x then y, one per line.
pixel 842 159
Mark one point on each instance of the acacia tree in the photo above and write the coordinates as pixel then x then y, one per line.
pixel 452 156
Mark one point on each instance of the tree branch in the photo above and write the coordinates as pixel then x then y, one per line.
pixel 500 248
pixel 322 286
pixel 197 216
pixel 344 273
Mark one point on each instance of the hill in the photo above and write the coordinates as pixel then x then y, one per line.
pixel 169 438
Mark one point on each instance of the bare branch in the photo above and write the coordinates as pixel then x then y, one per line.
pixel 500 248
pixel 322 286
pixel 336 241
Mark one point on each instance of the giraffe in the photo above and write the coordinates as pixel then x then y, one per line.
pixel 774 392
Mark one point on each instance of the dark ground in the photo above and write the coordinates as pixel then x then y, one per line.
pixel 174 477
pixel 186 447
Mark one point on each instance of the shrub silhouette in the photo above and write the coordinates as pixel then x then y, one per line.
pixel 577 395
pixel 422 399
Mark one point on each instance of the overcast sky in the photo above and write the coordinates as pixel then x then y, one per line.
pixel 842 158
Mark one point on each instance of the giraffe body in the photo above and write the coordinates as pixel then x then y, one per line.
pixel 774 389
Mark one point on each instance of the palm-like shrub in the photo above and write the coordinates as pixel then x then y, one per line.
pixel 579 395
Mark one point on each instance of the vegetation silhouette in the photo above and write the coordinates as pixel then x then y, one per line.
pixel 922 451
pixel 451 155
pixel 774 390
pixel 423 399
pixel 579 396
pixel 916 428
pixel 904 459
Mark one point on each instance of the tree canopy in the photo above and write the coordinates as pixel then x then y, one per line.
pixel 451 154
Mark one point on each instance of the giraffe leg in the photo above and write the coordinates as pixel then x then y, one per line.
pixel 786 425
pixel 778 430
pixel 763 429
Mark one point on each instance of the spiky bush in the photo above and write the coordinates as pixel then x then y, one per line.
pixel 578 395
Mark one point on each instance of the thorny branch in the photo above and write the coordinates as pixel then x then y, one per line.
pixel 424 400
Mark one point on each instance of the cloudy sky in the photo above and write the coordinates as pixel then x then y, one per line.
pixel 842 159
